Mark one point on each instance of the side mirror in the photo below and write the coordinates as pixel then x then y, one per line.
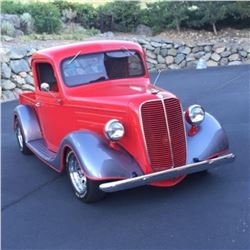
pixel 45 87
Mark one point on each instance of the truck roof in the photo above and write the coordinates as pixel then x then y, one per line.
pixel 58 53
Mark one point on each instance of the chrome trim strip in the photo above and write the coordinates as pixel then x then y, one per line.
pixel 169 138
pixel 184 127
pixel 163 175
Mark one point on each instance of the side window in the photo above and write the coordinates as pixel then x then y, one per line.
pixel 45 73
pixel 135 66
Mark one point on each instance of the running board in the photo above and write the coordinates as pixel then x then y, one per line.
pixel 39 148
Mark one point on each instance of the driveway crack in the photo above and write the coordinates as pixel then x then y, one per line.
pixel 30 193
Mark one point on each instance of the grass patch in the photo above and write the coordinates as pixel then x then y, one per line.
pixel 74 35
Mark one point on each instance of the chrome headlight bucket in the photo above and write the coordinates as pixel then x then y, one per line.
pixel 195 115
pixel 114 130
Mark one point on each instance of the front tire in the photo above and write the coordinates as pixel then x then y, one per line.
pixel 21 139
pixel 85 189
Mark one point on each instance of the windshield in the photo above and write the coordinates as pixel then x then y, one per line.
pixel 84 69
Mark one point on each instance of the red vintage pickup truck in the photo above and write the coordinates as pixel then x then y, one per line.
pixel 95 114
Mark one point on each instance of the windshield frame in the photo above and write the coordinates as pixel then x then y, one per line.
pixel 104 80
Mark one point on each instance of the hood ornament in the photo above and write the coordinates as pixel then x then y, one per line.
pixel 156 92
pixel 160 95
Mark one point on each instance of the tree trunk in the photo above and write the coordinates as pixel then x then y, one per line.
pixel 178 27
pixel 214 29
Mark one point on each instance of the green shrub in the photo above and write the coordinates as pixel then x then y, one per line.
pixel 176 14
pixel 150 17
pixel 239 10
pixel 165 14
pixel 125 14
pixel 11 7
pixel 46 17
pixel 7 28
pixel 209 13
pixel 63 5
pixel 87 15
pixel 68 15
pixel 237 15
pixel 92 32
pixel 27 23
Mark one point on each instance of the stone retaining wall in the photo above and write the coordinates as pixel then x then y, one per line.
pixel 16 75
pixel 164 54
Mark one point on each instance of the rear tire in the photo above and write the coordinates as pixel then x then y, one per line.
pixel 85 189
pixel 21 139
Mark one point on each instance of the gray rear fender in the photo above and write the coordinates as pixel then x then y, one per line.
pixel 98 160
pixel 26 115
pixel 210 140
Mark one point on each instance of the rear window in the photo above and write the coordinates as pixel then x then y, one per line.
pixel 90 68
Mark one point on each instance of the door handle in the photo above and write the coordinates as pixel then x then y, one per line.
pixel 37 104
pixel 59 101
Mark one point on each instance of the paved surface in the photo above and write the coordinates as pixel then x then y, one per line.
pixel 208 211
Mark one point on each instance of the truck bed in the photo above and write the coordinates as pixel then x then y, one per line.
pixel 28 98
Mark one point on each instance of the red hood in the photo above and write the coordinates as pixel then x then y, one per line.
pixel 118 92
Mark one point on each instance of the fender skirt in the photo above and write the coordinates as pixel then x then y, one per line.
pixel 210 141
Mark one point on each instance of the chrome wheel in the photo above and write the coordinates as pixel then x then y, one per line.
pixel 19 137
pixel 76 174
pixel 84 188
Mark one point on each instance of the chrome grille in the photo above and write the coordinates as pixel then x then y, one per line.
pixel 165 141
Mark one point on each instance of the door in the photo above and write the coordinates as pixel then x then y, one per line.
pixel 49 105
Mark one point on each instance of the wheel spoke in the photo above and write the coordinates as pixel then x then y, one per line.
pixel 78 179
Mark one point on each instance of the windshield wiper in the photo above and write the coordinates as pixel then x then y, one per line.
pixel 76 55
pixel 157 77
pixel 98 79
pixel 129 52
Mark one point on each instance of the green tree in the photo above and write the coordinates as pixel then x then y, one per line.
pixel 86 15
pixel 210 12
pixel 13 7
pixel 175 13
pixel 64 4
pixel 150 16
pixel 125 14
pixel 46 17
pixel 240 9
pixel 165 14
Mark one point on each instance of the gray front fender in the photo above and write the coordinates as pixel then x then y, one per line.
pixel 210 140
pixel 99 161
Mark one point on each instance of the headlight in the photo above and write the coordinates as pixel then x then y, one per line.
pixel 195 114
pixel 114 130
